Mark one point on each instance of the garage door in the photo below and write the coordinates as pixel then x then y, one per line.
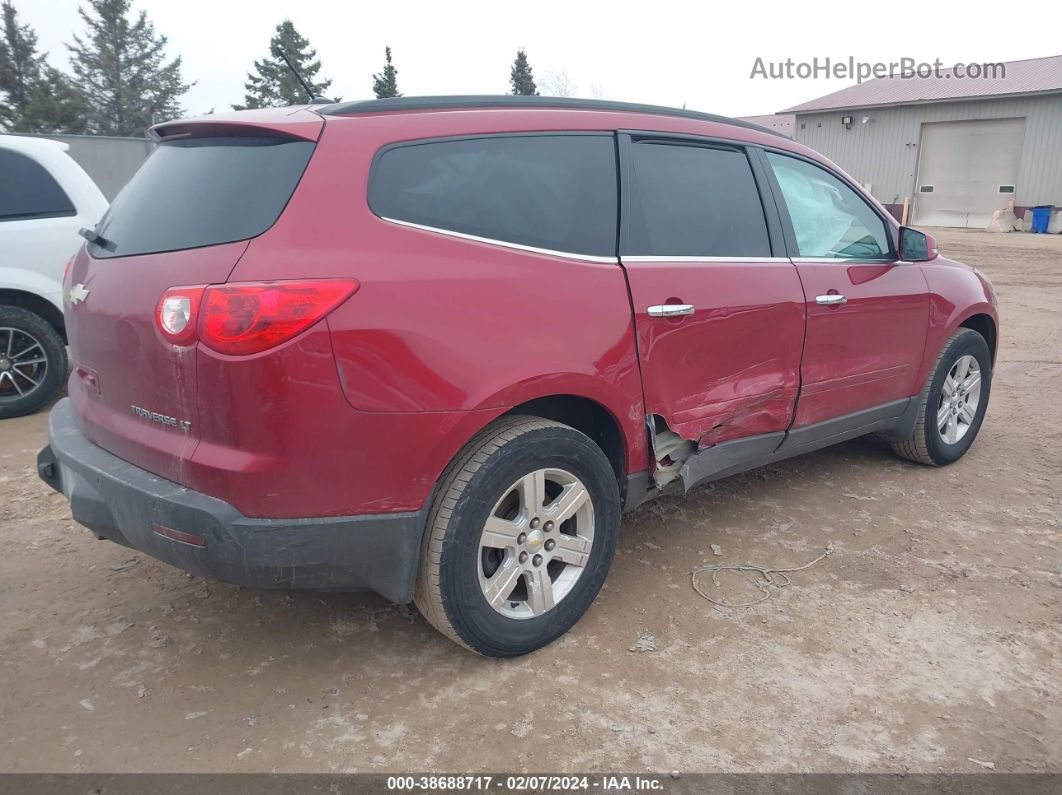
pixel 966 171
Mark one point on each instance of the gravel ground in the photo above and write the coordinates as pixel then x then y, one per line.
pixel 930 639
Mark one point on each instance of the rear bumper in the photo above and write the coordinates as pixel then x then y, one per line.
pixel 129 505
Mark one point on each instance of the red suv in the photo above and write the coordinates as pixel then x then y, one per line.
pixel 434 347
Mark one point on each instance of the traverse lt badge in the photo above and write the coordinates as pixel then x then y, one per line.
pixel 154 416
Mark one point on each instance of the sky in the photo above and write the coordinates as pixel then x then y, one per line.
pixel 697 54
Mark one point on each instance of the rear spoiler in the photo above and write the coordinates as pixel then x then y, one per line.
pixel 297 124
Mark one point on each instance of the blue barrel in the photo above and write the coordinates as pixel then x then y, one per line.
pixel 1041 218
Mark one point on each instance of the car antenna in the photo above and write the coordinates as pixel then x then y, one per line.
pixel 314 100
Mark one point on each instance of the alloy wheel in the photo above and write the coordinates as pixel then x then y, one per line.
pixel 959 399
pixel 536 543
pixel 23 365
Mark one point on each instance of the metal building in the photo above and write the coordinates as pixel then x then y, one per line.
pixel 782 123
pixel 956 148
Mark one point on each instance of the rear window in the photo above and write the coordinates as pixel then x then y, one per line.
pixel 28 191
pixel 554 192
pixel 202 192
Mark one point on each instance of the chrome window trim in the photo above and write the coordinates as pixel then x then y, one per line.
pixel 503 243
pixel 849 260
pixel 655 258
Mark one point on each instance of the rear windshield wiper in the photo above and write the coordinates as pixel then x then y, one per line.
pixel 94 237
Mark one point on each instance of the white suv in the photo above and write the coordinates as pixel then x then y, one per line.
pixel 45 198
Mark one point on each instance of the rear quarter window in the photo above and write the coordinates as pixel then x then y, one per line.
pixel 555 192
pixel 28 191
pixel 203 192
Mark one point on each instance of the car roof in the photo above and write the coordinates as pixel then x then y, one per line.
pixel 54 158
pixel 472 101
pixel 25 143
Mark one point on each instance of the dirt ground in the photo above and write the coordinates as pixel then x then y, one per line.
pixel 931 638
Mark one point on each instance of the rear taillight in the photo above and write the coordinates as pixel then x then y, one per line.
pixel 248 317
pixel 177 314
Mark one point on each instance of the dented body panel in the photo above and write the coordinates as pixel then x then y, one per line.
pixel 732 368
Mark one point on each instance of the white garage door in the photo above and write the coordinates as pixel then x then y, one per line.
pixel 966 171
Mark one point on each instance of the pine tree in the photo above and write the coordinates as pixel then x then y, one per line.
pixel 20 69
pixel 520 78
pixel 272 84
pixel 36 97
pixel 120 69
pixel 385 84
pixel 57 106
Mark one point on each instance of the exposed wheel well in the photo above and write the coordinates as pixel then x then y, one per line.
pixel 983 325
pixel 587 416
pixel 39 306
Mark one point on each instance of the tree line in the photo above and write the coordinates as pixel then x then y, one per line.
pixel 121 80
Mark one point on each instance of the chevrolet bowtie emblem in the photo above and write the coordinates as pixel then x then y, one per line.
pixel 77 294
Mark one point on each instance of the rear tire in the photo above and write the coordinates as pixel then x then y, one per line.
pixel 953 402
pixel 33 363
pixel 520 536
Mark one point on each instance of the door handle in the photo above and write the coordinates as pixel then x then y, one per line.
pixel 670 310
pixel 830 300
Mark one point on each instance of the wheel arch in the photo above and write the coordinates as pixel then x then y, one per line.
pixel 984 325
pixel 583 413
pixel 587 416
pixel 34 303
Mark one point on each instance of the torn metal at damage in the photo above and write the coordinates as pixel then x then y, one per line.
pixel 669 450
pixel 729 458
pixel 721 460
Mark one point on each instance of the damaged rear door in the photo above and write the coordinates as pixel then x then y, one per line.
pixel 719 310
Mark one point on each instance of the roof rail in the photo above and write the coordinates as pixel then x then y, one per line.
pixel 459 102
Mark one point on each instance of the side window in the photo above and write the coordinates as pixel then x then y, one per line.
pixel 547 191
pixel 694 201
pixel 829 218
pixel 28 191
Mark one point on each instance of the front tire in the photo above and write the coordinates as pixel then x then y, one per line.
pixel 954 402
pixel 33 363
pixel 520 536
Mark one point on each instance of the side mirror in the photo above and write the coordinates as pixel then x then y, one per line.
pixel 917 246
